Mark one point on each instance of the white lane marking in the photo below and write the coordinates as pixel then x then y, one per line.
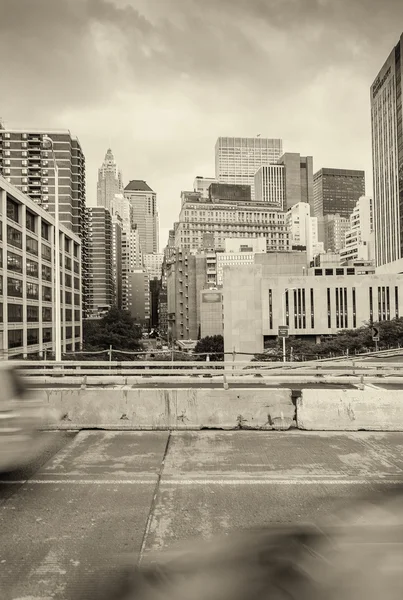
pixel 179 482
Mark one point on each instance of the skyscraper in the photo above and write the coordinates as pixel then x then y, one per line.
pixel 145 214
pixel 387 157
pixel 304 229
pixel 359 238
pixel 26 164
pixel 109 181
pixel 336 191
pixel 298 178
pixel 238 159
pixel 100 250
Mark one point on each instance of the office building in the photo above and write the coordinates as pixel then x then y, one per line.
pixel 200 220
pixel 222 192
pixel 298 178
pixel 27 269
pixel 117 259
pixel 238 252
pixel 155 290
pixel 153 264
pixel 202 184
pixel 139 297
pixel 238 159
pixel 163 312
pixel 211 313
pixel 255 304
pixel 270 186
pixel 303 229
pixel 145 214
pixel 387 158
pixel 336 191
pixel 110 181
pixel 360 238
pixel 332 230
pixel 102 295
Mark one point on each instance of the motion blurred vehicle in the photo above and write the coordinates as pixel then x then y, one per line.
pixel 21 417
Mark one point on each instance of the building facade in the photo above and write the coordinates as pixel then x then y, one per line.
pixel 27 268
pixel 211 313
pixel 332 230
pixel 336 191
pixel 360 237
pixel 238 252
pixel 199 218
pixel 298 178
pixel 102 296
pixel 255 304
pixel 238 159
pixel 223 192
pixel 270 186
pixel 153 264
pixel 145 214
pixel 202 184
pixel 387 158
pixel 110 181
pixel 117 259
pixel 139 297
pixel 303 229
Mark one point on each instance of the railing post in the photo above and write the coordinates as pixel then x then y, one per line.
pixel 110 356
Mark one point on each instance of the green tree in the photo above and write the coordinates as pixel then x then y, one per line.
pixel 117 329
pixel 213 345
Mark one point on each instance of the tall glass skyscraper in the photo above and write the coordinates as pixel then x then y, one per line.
pixel 387 157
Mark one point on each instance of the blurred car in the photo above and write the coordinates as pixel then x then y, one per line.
pixel 21 417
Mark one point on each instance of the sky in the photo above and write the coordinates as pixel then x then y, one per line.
pixel 159 81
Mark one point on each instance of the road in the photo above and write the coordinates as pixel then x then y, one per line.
pixel 95 495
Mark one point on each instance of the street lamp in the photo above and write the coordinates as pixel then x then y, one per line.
pixel 283 304
pixel 48 145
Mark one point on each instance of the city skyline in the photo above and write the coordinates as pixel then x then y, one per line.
pixel 163 130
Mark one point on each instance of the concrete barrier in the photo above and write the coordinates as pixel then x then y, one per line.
pixel 128 408
pixel 350 410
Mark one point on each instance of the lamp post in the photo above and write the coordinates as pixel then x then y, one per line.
pixel 48 144
pixel 284 322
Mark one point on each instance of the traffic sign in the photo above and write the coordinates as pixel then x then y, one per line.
pixel 283 331
pixel 375 334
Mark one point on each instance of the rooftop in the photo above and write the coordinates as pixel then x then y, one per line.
pixel 138 185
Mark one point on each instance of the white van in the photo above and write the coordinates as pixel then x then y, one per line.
pixel 21 417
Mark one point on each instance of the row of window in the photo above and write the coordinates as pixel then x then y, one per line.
pixel 15 290
pixel 16 336
pixel 15 314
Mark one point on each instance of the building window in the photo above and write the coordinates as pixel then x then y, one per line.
pixel 76 283
pixel 354 308
pixel 32 246
pixel 32 291
pixel 345 308
pixel 14 237
pixel 14 313
pixel 77 299
pixel 15 338
pixel 13 210
pixel 396 302
pixel 76 250
pixel 76 315
pixel 1 313
pixel 69 315
pixel 76 267
pixel 270 309
pixel 47 334
pixel 14 287
pixel 67 245
pixel 46 273
pixel 68 297
pixel 32 314
pixel 329 310
pixel 67 263
pixel 46 294
pixel 32 268
pixel 30 221
pixel 45 230
pixel 312 309
pixel 371 306
pixel 337 308
pixel 32 337
pixel 14 262
pixel 46 253
pixel 46 314
pixel 69 333
pixel 77 331
pixel 303 309
pixel 388 303
pixel 287 313
pixel 67 280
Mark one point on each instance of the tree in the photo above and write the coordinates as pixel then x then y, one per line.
pixel 213 345
pixel 117 329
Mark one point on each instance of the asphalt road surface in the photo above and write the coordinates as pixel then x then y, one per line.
pixel 95 495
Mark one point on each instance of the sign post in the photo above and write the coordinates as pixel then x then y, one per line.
pixel 283 333
pixel 375 336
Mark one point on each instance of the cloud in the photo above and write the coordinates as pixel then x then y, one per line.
pixel 160 80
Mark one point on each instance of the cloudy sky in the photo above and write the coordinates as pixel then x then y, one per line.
pixel 160 80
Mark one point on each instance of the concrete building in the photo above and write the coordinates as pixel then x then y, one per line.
pixel 255 302
pixel 202 184
pixel 117 259
pixel 110 181
pixel 332 230
pixel 153 264
pixel 139 297
pixel 238 252
pixel 27 268
pixel 211 313
pixel 227 219
pixel 360 237
pixel 336 191
pixel 387 157
pixel 145 214
pixel 238 159
pixel 270 186
pixel 303 229
pixel 101 267
pixel 27 165
pixel 163 312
